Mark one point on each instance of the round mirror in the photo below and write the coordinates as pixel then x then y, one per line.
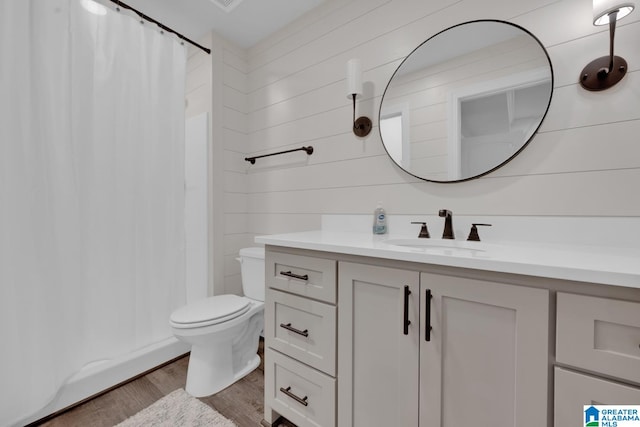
pixel 466 101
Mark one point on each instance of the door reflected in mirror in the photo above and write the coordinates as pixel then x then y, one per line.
pixel 466 101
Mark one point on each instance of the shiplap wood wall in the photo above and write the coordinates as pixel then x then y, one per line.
pixel 216 84
pixel 289 91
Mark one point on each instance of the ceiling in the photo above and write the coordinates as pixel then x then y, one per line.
pixel 245 22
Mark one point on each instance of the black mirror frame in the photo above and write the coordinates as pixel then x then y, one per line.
pixel 523 145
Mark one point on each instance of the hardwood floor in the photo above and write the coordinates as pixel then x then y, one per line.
pixel 243 402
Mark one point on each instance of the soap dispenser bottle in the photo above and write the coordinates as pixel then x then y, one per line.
pixel 379 220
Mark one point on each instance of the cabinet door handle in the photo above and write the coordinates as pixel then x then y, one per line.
pixel 288 327
pixel 427 316
pixel 302 401
pixel 304 277
pixel 406 322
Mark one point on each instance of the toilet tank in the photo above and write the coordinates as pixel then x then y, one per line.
pixel 252 271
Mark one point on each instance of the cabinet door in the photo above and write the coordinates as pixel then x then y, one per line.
pixel 487 359
pixel 378 362
pixel 574 390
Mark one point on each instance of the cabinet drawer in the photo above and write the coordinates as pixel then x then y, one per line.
pixel 573 390
pixel 307 276
pixel 599 334
pixel 298 392
pixel 303 329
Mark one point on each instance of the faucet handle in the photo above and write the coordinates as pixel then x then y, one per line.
pixel 473 234
pixel 424 232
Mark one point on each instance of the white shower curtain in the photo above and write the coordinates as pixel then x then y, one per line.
pixel 91 193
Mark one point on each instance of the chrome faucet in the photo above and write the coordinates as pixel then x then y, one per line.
pixel 448 226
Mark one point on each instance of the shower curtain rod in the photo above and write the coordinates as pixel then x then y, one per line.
pixel 159 24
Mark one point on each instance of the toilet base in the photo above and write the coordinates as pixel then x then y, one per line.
pixel 220 359
pixel 203 380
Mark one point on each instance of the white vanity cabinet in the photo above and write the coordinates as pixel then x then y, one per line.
pixel 474 350
pixel 598 348
pixel 428 333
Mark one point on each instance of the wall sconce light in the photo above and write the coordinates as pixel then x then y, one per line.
pixel 362 125
pixel 606 71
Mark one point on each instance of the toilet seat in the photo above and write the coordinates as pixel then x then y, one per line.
pixel 210 311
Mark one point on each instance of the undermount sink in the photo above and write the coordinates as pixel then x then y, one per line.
pixel 421 243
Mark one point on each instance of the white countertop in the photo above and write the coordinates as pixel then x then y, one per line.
pixel 603 265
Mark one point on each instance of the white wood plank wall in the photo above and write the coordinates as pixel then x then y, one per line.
pixel 289 91
pixel 216 84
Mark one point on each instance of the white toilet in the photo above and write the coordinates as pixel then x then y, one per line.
pixel 224 330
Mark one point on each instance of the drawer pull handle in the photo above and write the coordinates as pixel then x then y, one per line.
pixel 287 391
pixel 427 316
pixel 406 322
pixel 304 277
pixel 288 327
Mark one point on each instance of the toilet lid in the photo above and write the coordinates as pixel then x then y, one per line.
pixel 209 311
